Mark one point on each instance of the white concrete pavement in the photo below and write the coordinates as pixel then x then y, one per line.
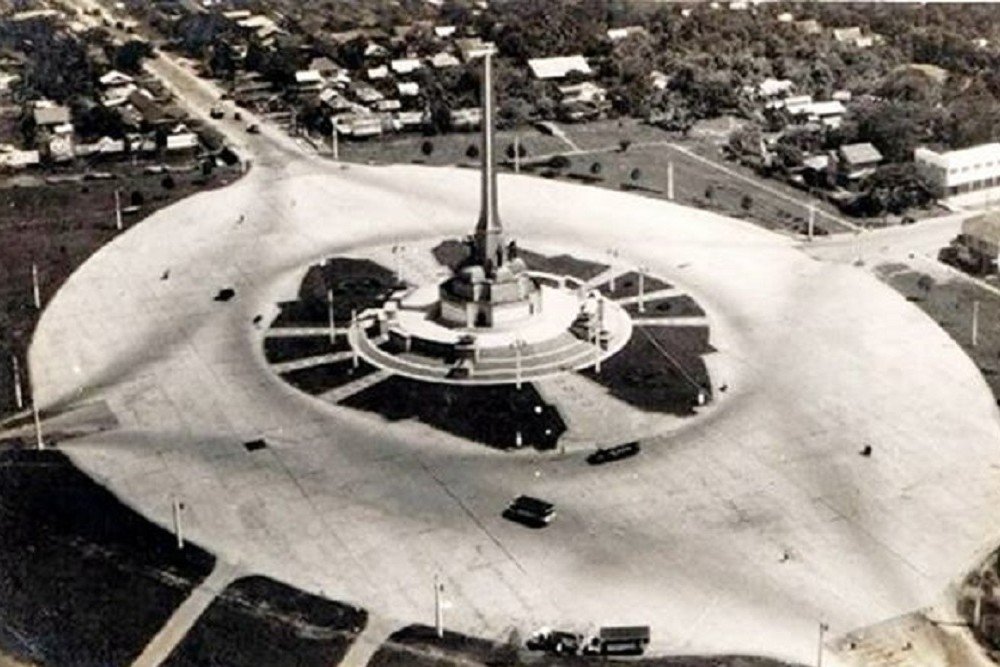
pixel 820 359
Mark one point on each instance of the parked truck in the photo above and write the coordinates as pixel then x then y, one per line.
pixel 619 640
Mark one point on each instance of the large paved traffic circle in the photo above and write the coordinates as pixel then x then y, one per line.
pixel 735 533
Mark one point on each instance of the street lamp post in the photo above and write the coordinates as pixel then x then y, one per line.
pixel 329 314
pixel 18 395
pixel 438 610
pixel 397 252
pixel 642 289
pixel 613 254
pixel 823 627
pixel 178 510
pixel 118 210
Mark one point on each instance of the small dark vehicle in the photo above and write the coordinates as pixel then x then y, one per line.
pixel 253 128
pixel 529 511
pixel 558 642
pixel 616 453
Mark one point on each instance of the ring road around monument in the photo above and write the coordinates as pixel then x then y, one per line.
pixel 690 538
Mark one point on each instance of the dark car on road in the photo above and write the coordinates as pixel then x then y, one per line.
pixel 555 641
pixel 530 511
pixel 616 453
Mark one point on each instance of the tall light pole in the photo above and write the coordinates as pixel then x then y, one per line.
pixel 812 221
pixel 597 334
pixel 36 292
pixel 517 153
pixel 397 253
pixel 178 511
pixel 438 611
pixel 118 210
pixel 975 322
pixel 18 396
pixel 670 180
pixel 823 627
pixel 329 314
pixel 357 334
pixel 642 289
pixel 613 254
pixel 334 140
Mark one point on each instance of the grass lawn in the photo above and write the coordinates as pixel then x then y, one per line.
pixel 290 348
pixel 58 226
pixel 259 621
pixel 448 149
pixel 950 304
pixel 671 306
pixel 324 377
pixel 659 370
pixel 627 285
pixel 84 580
pixel 491 415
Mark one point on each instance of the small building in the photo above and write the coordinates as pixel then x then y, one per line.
pixel 583 101
pixel 444 31
pixel 796 105
pixel 809 27
pixel 334 101
pixel 786 17
pixel 378 73
pixel 182 140
pixel 105 147
pixel 387 105
pixel 558 67
pixel 48 114
pixel 658 80
pixel 406 65
pixel 444 60
pixel 964 170
pixel 841 96
pixel 473 48
pixel 770 88
pixel 359 126
pixel 375 50
pixel 466 119
pixel 14 159
pixel 326 67
pixel 365 94
pixel 617 34
pixel 829 113
pixel 408 88
pixel 856 162
pixel 409 121
pixel 845 35
pixel 114 78
pixel 308 80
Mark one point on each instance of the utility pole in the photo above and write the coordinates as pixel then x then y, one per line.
pixel 438 611
pixel 178 508
pixel 39 442
pixel 329 313
pixel 18 396
pixel 517 153
pixel 975 322
pixel 357 333
pixel 823 627
pixel 613 253
pixel 600 331
pixel 118 210
pixel 334 140
pixel 812 221
pixel 670 180
pixel 34 286
pixel 642 289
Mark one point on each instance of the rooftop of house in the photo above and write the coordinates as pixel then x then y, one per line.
pixel 47 114
pixel 863 153
pixel 558 67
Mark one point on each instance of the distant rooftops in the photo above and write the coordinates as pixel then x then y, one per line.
pixel 558 67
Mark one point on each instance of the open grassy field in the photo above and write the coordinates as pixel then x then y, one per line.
pixel 57 225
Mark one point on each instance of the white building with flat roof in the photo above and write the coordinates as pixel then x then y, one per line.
pixel 963 170
pixel 558 67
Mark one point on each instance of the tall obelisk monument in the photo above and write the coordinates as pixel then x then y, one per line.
pixel 490 248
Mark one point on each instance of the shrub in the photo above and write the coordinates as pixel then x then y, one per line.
pixel 746 203
pixel 472 152
pixel 427 147
pixel 596 168
pixel 635 174
pixel 137 198
pixel 168 182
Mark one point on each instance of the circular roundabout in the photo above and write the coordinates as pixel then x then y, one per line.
pixel 742 522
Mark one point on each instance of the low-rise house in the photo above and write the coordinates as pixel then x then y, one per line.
pixel 405 66
pixel 841 95
pixel 105 147
pixel 334 101
pixel 365 94
pixel 796 105
pixel 845 35
pixel 658 80
pixel 558 67
pixel 809 27
pixel 583 101
pixel 409 121
pixel 444 31
pixel 259 26
pixel 856 162
pixel 326 67
pixel 374 50
pixel 786 17
pixel 308 81
pixel 182 142
pixel 829 113
pixel 616 34
pixel 14 159
pixel 359 126
pixel 466 119
pixel 59 147
pixel 48 114
pixel 408 89
pixel 115 78
pixel 378 73
pixel 770 88
pixel 444 60
pixel 473 48
pixel 387 105
pixel 961 171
